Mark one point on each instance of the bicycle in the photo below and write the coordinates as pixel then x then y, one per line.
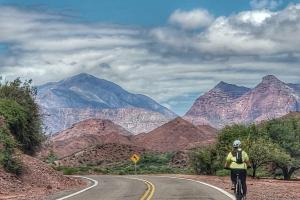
pixel 239 193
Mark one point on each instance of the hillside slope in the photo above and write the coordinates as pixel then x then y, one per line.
pixel 176 135
pixel 26 185
pixel 85 134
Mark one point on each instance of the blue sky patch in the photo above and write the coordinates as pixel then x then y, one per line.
pixel 133 12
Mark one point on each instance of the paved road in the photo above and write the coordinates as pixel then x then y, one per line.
pixel 148 188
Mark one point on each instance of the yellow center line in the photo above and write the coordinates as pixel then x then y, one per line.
pixel 149 192
pixel 152 191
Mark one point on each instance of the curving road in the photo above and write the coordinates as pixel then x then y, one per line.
pixel 146 188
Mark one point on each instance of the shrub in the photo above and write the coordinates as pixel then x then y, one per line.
pixel 10 163
pixel 15 117
pixel 223 172
pixel 70 171
pixel 51 158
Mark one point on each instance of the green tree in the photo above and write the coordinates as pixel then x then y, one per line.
pixel 262 151
pixel 237 131
pixel 286 133
pixel 205 160
pixel 29 132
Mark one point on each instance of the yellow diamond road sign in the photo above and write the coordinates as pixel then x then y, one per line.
pixel 135 158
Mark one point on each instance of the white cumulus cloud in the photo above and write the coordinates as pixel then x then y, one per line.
pixel 170 64
pixel 190 20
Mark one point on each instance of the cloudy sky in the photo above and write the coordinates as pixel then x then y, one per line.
pixel 172 50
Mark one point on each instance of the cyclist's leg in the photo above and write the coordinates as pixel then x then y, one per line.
pixel 243 177
pixel 233 178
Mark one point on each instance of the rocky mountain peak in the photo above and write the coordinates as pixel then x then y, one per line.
pixel 230 89
pixel 222 84
pixel 271 79
pixel 83 75
pixel 271 82
pixel 90 83
pixel 78 77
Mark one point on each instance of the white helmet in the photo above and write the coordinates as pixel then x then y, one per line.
pixel 236 144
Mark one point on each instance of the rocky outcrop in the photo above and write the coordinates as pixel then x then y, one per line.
pixel 84 96
pixel 227 104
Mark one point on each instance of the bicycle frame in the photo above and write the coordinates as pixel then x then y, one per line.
pixel 239 193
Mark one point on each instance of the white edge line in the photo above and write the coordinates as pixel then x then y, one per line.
pixel 81 191
pixel 212 186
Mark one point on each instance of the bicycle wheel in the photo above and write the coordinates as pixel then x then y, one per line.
pixel 239 190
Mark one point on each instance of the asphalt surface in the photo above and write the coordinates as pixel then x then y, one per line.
pixel 155 188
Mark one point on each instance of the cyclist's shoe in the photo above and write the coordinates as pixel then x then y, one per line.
pixel 233 187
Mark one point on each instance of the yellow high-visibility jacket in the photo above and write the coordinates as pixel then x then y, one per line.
pixel 232 160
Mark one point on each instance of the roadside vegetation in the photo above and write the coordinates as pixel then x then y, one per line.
pixel 20 123
pixel 273 147
pixel 148 164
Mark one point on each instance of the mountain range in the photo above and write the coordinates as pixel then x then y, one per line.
pixel 84 96
pixel 227 104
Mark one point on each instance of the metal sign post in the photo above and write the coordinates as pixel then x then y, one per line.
pixel 135 158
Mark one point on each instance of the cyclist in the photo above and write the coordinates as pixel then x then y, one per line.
pixel 238 162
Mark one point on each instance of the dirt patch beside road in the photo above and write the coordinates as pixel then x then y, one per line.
pixel 258 189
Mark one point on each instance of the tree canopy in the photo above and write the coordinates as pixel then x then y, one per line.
pixel 275 142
